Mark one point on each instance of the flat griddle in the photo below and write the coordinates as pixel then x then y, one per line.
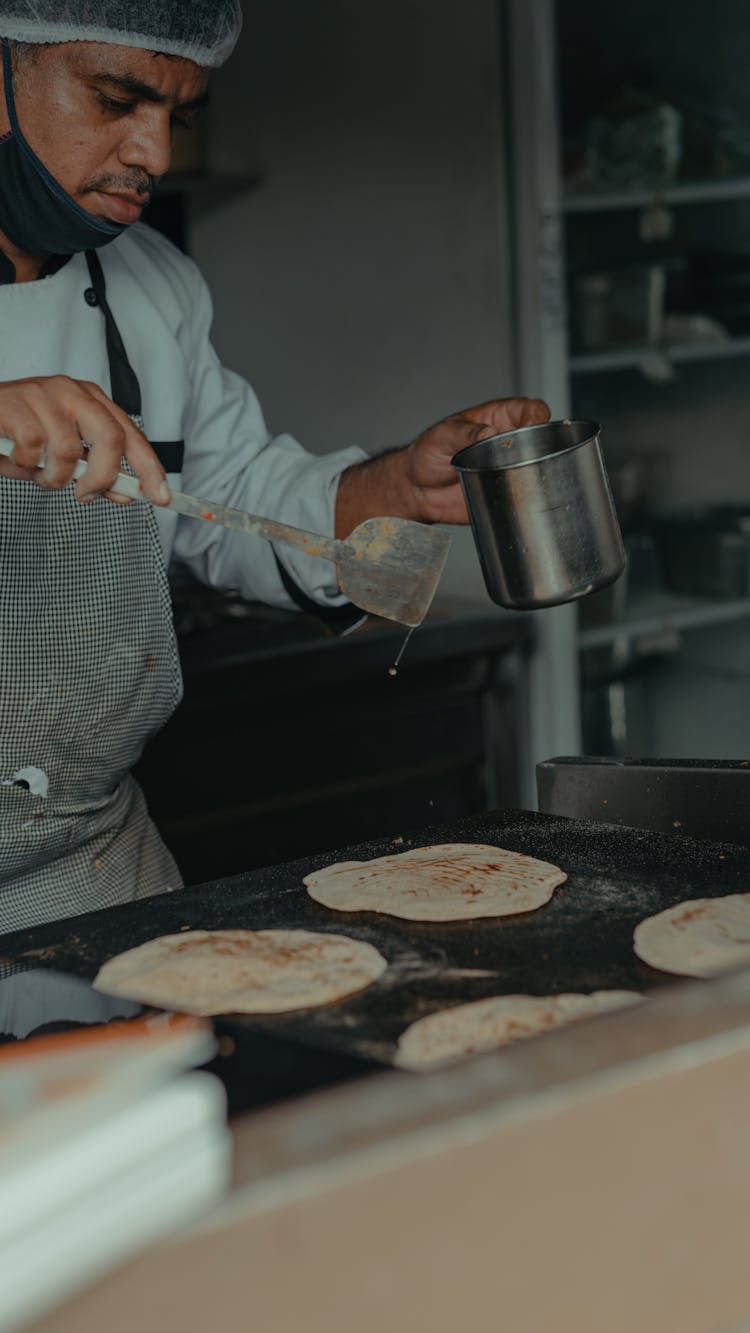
pixel 580 941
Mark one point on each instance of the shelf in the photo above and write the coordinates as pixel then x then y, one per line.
pixel 686 192
pixel 661 613
pixel 639 355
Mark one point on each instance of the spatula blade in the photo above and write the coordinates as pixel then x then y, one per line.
pixel 392 567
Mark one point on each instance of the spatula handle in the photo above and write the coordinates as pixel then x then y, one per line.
pixel 253 525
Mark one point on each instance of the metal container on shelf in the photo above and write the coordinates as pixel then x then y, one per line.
pixel 542 514
pixel 619 307
pixel 706 552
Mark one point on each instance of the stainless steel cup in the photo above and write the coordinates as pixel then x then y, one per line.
pixel 542 514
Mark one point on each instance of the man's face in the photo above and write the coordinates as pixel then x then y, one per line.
pixel 101 118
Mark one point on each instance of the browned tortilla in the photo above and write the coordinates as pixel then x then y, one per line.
pixel 485 1025
pixel 698 938
pixel 449 882
pixel 242 971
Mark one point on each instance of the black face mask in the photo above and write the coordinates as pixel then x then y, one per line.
pixel 36 213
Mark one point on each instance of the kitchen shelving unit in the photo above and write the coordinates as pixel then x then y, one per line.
pixel 651 614
pixel 682 192
pixel 643 356
pixel 581 203
pixel 544 208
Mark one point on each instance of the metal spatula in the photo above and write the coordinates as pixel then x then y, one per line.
pixel 387 566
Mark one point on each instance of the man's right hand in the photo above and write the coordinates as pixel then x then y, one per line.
pixel 48 418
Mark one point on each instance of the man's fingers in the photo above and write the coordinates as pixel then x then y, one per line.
pixel 45 437
pixel 493 418
pixel 146 465
pixel 105 438
pixel 528 411
pixel 508 413
pixel 29 438
pixel 512 413
pixel 48 418
pixel 138 452
pixel 465 433
pixel 59 466
pixel 62 451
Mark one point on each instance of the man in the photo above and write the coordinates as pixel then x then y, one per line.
pixel 104 339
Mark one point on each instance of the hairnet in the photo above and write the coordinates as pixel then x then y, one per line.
pixel 201 30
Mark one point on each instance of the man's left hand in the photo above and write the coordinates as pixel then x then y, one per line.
pixel 430 471
pixel 419 481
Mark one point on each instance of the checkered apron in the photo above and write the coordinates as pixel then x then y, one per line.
pixel 89 670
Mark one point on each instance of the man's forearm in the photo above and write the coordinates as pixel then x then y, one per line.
pixel 379 486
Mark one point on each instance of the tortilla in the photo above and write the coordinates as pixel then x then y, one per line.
pixel 450 882
pixel 485 1025
pixel 242 971
pixel 700 937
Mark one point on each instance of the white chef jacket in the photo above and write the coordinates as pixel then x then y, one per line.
pixel 164 313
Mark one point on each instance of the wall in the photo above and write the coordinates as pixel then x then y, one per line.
pixel 363 288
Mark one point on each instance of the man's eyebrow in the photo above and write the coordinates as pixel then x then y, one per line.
pixel 127 83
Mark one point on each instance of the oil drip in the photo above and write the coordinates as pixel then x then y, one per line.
pixel 393 670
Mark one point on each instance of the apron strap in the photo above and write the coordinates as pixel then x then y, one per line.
pixel 126 391
pixel 170 453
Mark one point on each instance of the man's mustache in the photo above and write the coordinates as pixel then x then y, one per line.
pixel 130 182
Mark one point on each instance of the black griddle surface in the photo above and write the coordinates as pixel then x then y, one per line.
pixel 580 941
